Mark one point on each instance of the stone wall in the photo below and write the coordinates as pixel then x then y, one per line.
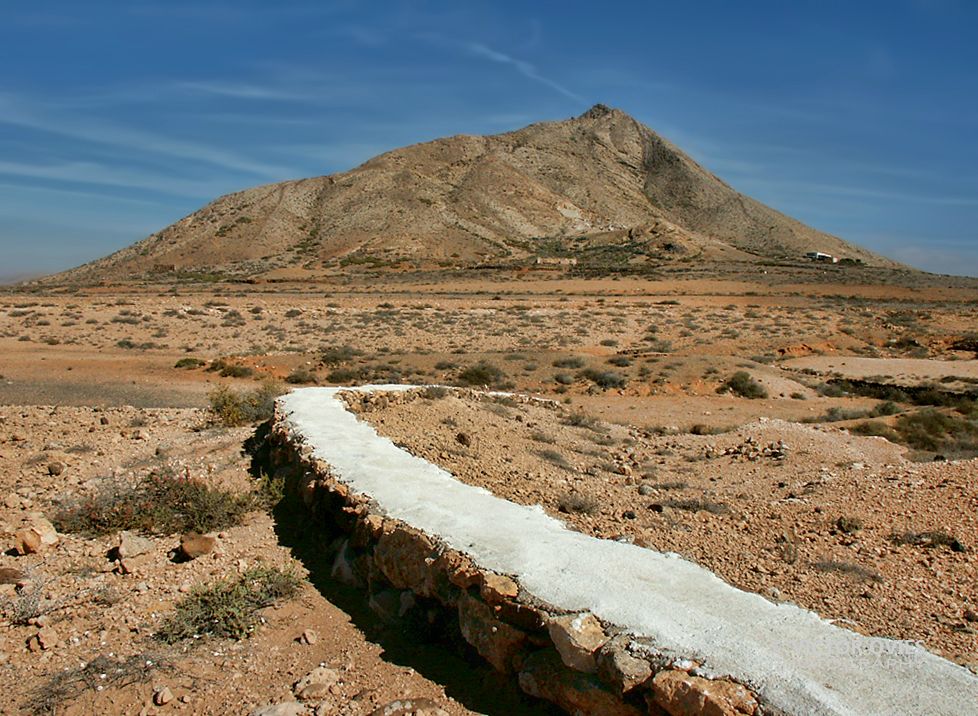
pixel 571 659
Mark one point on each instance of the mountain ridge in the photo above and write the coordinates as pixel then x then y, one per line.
pixel 600 188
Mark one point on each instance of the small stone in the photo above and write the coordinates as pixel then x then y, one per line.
pixel 131 545
pixel 38 535
pixel 193 545
pixel 577 637
pixel 286 708
pixel 162 696
pixel 316 684
pixel 47 638
pixel 9 575
pixel 463 439
pixel 309 637
pixel 410 707
pixel 103 420
pixel 55 468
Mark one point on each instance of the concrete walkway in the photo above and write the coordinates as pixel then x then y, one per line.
pixel 794 660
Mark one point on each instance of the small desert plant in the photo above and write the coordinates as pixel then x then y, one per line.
pixel 189 363
pixel 161 503
pixel 741 383
pixel 937 538
pixel 102 672
pixel 301 376
pixel 583 420
pixel 574 503
pixel 339 354
pixel 481 373
pixel 604 378
pixel 231 408
pixel 850 569
pixel 555 458
pixel 228 609
pixel 571 362
pixel 697 505
pixel 849 525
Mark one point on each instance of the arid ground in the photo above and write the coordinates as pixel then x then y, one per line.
pixel 811 441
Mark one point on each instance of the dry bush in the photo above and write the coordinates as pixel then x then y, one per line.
pixel 161 503
pixel 231 408
pixel 574 503
pixel 228 609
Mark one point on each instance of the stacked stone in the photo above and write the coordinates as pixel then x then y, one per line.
pixel 571 659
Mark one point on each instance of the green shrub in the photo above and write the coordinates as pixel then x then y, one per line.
pixel 231 408
pixel 301 376
pixel 162 503
pixel 741 383
pixel 570 362
pixel 339 354
pixel 189 363
pixel 228 609
pixel 482 373
pixel 604 378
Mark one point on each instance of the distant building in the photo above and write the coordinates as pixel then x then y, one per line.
pixel 823 257
pixel 555 261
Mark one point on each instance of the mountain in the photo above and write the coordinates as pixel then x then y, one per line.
pixel 601 188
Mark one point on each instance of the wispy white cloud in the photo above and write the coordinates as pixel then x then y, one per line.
pixel 856 192
pixel 49 191
pixel 90 173
pixel 242 90
pixel 525 68
pixel 15 111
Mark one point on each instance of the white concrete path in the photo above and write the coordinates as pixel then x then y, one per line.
pixel 794 660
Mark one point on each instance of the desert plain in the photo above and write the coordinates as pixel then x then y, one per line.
pixel 808 434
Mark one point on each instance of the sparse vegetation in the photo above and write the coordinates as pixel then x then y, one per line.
pixel 850 569
pixel 232 408
pixel 936 538
pixel 574 503
pixel 228 609
pixel 102 672
pixel 161 503
pixel 482 373
pixel 741 383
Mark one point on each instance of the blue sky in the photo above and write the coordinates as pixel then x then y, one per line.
pixel 118 118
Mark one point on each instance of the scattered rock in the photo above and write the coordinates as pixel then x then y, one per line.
pixel 577 637
pixel 682 694
pixel 316 684
pixel 131 545
pixel 193 545
pixel 10 575
pixel 410 707
pixel 308 637
pixel 55 468
pixel 45 638
pixel 286 708
pixel 162 696
pixel 38 535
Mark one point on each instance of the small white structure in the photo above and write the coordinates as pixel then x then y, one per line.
pixel 555 261
pixel 821 256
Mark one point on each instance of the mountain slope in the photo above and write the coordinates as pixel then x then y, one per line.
pixel 601 187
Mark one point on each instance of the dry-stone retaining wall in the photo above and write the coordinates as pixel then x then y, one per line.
pixel 572 660
pixel 595 626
